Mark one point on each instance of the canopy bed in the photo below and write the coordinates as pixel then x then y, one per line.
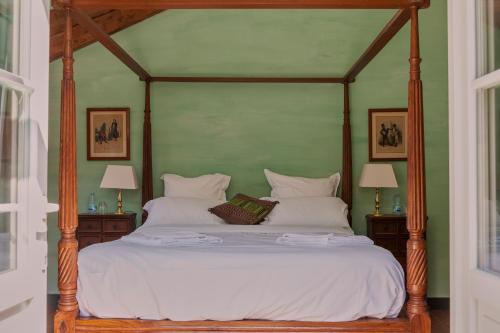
pixel 67 318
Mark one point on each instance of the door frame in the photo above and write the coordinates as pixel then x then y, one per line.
pixel 25 309
pixel 469 286
pixel 460 140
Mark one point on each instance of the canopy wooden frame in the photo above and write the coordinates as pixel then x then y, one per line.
pixel 417 318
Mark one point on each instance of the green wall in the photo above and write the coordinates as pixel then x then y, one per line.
pixel 240 129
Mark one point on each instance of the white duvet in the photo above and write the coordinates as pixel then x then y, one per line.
pixel 246 276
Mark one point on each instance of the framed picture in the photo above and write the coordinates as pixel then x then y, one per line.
pixel 108 134
pixel 388 134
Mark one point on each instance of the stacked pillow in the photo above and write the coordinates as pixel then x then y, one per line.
pixel 187 200
pixel 181 211
pixel 306 201
pixel 292 187
pixel 212 186
pixel 313 211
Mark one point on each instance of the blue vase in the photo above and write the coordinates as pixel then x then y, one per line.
pixel 396 204
pixel 92 206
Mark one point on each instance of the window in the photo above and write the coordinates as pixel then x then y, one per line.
pixel 9 35
pixel 487 87
pixel 13 133
pixel 489 185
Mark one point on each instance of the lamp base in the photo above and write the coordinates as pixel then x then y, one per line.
pixel 377 203
pixel 119 204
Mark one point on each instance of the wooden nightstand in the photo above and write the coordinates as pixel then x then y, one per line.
pixel 100 228
pixel 389 231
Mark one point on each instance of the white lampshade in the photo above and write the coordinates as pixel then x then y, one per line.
pixel 120 177
pixel 378 175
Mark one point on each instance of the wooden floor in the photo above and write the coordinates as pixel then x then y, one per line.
pixel 440 321
pixel 440 318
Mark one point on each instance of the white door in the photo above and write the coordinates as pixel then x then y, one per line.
pixel 24 33
pixel 474 82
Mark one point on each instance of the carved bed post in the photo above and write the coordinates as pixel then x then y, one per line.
pixel 147 154
pixel 347 154
pixel 64 320
pixel 417 212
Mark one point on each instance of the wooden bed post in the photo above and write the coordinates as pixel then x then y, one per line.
pixel 347 154
pixel 417 212
pixel 64 320
pixel 147 154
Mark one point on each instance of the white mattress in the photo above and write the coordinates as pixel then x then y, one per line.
pixel 248 276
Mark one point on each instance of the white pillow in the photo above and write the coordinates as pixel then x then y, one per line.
pixel 181 211
pixel 207 186
pixel 309 211
pixel 289 187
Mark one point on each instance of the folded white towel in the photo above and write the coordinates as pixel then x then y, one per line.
pixel 323 239
pixel 319 239
pixel 350 240
pixel 178 238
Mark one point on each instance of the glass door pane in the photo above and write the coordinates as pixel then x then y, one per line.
pixel 9 176
pixel 489 187
pixel 9 105
pixel 8 35
pixel 8 242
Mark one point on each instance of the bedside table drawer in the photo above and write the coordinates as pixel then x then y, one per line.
pixel 402 229
pixel 390 244
pixel 115 225
pixel 389 231
pixel 386 228
pixel 402 245
pixel 89 225
pixel 112 237
pixel 402 261
pixel 99 228
pixel 86 240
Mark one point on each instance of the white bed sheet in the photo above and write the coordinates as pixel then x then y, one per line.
pixel 248 276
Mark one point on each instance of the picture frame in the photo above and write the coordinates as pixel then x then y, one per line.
pixel 108 133
pixel 388 134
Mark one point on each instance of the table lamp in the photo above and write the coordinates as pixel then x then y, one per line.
pixel 377 176
pixel 121 177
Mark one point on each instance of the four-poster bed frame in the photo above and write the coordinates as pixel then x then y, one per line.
pixel 417 317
